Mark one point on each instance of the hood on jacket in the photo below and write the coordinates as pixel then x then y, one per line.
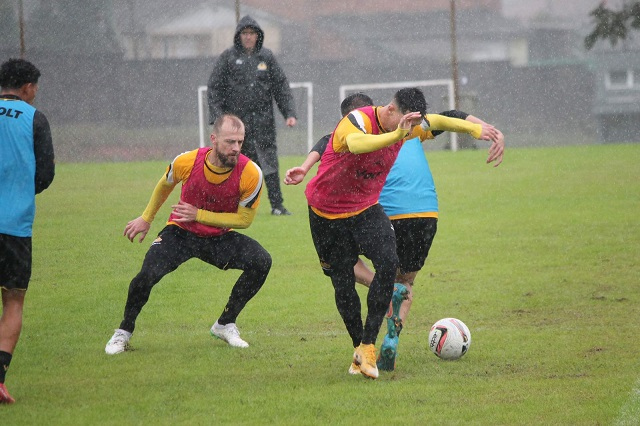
pixel 248 22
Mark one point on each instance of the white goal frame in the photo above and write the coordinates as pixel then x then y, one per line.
pixel 399 85
pixel 202 122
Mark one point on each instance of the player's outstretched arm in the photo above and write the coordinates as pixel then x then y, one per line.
pixel 496 150
pixel 135 227
pixel 295 175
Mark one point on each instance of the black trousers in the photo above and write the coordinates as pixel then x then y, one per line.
pixel 174 246
pixel 338 243
pixel 260 146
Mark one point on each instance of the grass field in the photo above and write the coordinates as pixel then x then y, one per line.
pixel 539 257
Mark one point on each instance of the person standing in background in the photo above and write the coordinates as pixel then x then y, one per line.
pixel 245 81
pixel 27 168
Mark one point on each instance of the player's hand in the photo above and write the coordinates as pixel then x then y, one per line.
pixel 409 120
pixel 489 133
pixel 294 176
pixel 185 212
pixel 291 121
pixel 496 150
pixel 135 227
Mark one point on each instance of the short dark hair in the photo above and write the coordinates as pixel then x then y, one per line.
pixel 410 99
pixel 353 101
pixel 15 73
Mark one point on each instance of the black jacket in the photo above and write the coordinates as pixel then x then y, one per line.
pixel 246 85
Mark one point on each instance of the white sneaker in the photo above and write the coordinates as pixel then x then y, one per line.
pixel 229 333
pixel 119 342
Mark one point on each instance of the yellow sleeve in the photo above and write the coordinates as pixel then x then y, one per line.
pixel 250 191
pixel 440 122
pixel 158 197
pixel 360 143
pixel 353 134
pixel 178 171
pixel 242 219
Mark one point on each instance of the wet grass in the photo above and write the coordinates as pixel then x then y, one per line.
pixel 539 257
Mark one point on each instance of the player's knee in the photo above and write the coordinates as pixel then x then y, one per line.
pixel 262 262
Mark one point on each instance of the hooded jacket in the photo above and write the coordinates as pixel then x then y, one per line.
pixel 246 84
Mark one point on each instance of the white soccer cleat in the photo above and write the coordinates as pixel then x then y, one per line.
pixel 229 333
pixel 119 342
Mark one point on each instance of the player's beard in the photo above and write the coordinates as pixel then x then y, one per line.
pixel 227 160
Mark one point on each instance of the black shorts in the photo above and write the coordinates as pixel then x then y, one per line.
pixel 15 262
pixel 338 242
pixel 414 237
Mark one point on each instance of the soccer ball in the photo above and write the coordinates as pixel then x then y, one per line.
pixel 449 339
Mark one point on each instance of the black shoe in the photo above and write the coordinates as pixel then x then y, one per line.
pixel 280 211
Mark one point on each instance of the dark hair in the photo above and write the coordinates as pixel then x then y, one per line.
pixel 15 73
pixel 353 101
pixel 410 99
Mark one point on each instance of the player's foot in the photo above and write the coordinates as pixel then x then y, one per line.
pixel 388 351
pixel 119 342
pixel 280 211
pixel 354 368
pixel 5 398
pixel 229 333
pixel 365 358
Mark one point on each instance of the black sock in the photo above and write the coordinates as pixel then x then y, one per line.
pixel 5 360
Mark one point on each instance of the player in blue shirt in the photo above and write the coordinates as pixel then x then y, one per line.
pixel 26 169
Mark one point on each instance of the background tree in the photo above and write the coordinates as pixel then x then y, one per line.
pixel 613 25
pixel 73 27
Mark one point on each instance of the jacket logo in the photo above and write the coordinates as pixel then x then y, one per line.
pixel 262 66
pixel 238 61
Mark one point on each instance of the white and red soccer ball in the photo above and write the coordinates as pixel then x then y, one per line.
pixel 449 338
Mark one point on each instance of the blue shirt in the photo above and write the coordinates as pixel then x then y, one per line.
pixel 17 168
pixel 409 189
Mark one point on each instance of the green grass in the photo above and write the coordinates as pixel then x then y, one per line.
pixel 539 257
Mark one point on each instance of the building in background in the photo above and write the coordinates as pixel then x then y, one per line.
pixel 521 63
pixel 616 104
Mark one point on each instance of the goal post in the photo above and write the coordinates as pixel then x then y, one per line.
pixel 203 121
pixel 447 83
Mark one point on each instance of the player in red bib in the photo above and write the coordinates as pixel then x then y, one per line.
pixel 344 214
pixel 220 191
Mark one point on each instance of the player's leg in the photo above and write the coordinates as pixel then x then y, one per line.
pixel 375 237
pixel 15 273
pixel 407 280
pixel 364 275
pixel 414 238
pixel 376 240
pixel 170 249
pixel 10 328
pixel 337 254
pixel 236 251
